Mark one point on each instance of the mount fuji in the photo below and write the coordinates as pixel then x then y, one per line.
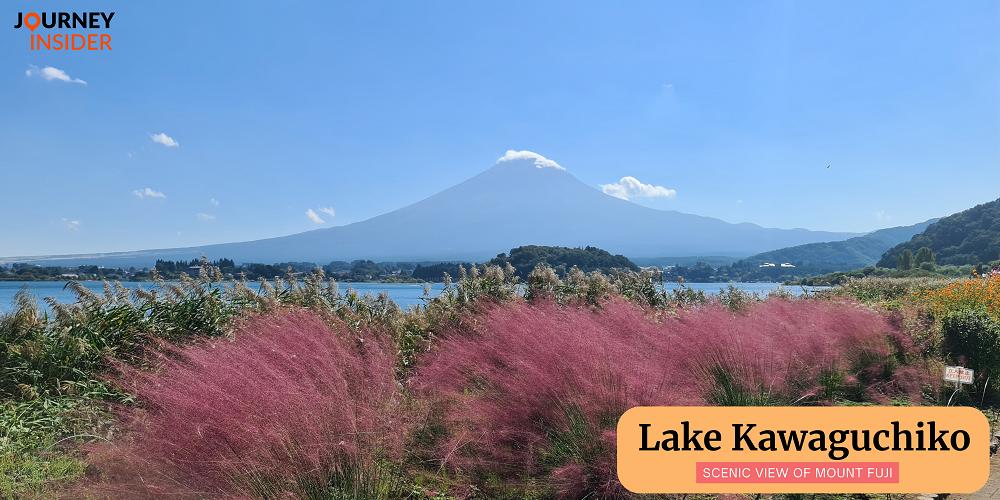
pixel 524 199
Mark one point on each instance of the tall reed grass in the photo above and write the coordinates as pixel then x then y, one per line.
pixel 535 390
pixel 295 403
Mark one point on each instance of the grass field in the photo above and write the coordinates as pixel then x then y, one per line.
pixel 497 388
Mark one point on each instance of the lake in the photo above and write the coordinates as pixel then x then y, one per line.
pixel 403 294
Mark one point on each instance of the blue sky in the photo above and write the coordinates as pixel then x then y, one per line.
pixel 737 108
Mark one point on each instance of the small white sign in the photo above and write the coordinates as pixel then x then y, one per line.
pixel 958 374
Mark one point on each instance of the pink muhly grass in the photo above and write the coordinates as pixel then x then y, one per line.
pixel 537 388
pixel 292 397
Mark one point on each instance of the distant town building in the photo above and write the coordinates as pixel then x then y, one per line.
pixel 786 264
pixel 767 264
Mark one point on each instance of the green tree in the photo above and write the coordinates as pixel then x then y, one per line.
pixel 562 259
pixel 924 255
pixel 366 269
pixel 905 261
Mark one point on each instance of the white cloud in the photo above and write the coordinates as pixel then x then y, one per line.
pixel 164 139
pixel 630 187
pixel 72 225
pixel 328 211
pixel 313 217
pixel 141 193
pixel 49 73
pixel 882 216
pixel 540 161
pixel 202 216
pixel 214 202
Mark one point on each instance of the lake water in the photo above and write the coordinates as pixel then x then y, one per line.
pixel 402 293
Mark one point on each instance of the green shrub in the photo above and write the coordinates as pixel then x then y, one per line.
pixel 975 336
pixel 875 289
pixel 833 383
pixel 737 299
pixel 727 390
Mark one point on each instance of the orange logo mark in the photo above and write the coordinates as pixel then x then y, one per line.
pixel 30 26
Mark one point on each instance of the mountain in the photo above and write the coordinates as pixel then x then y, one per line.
pixel 968 237
pixel 524 199
pixel 851 253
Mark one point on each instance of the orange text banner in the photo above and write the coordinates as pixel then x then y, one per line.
pixel 803 449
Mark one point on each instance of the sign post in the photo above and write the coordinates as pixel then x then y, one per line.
pixel 959 375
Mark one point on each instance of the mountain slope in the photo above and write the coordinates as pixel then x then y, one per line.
pixel 516 202
pixel 851 253
pixel 968 237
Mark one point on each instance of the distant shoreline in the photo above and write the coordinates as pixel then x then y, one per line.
pixel 227 280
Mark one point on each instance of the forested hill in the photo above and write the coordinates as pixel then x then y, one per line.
pixel 562 259
pixel 852 253
pixel 969 237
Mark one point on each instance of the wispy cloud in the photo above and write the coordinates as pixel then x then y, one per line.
pixel 164 139
pixel 214 202
pixel 540 161
pixel 142 193
pixel 313 217
pixel 328 211
pixel 882 216
pixel 630 187
pixel 49 73
pixel 202 216
pixel 72 225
